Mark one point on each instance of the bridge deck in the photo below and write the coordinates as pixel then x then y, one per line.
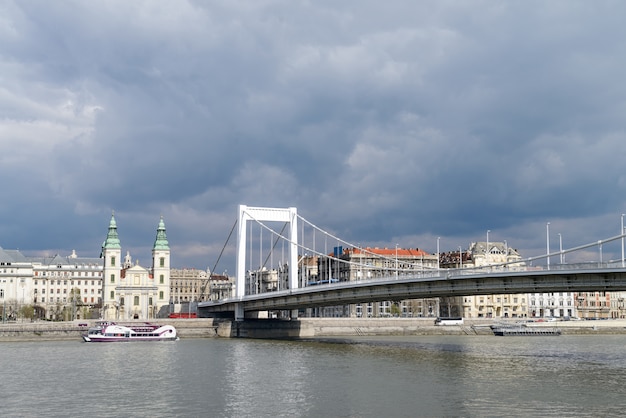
pixel 511 282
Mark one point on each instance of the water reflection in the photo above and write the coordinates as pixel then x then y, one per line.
pixel 404 376
pixel 264 374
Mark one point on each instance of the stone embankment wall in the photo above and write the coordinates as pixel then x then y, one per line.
pixel 304 328
pixel 44 330
pixel 343 327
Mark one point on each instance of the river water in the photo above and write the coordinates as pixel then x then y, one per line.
pixel 421 376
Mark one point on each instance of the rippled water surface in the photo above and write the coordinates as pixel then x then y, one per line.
pixel 356 377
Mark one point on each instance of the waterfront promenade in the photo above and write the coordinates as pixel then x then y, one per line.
pixel 308 328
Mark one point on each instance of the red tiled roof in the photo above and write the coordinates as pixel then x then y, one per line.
pixel 389 252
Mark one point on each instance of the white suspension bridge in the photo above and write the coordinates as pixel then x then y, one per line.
pixel 362 275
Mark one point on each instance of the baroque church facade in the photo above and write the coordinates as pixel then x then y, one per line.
pixel 132 291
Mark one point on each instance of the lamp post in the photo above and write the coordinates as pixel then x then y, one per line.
pixel 561 247
pixel 22 284
pixel 438 257
pixel 621 232
pixel 460 258
pixel 396 261
pixel 548 244
pixel 487 249
pixel 506 255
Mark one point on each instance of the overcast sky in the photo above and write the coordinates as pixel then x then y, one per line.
pixel 383 122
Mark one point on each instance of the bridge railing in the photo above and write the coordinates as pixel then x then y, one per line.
pixel 528 264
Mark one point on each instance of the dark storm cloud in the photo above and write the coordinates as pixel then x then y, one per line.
pixel 392 123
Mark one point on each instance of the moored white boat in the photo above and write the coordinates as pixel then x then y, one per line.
pixel 107 331
pixel 523 330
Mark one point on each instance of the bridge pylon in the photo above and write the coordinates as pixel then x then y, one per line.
pixel 247 213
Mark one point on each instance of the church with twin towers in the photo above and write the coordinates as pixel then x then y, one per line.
pixel 132 291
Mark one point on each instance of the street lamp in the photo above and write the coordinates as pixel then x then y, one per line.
pixel 22 284
pixel 460 258
pixel 438 238
pixel 487 249
pixel 506 254
pixel 396 261
pixel 622 234
pixel 561 247
pixel 548 244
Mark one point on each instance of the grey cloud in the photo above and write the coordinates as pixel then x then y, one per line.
pixel 391 122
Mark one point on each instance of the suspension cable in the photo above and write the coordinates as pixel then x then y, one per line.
pixel 206 282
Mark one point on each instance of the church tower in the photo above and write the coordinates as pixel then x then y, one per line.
pixel 112 255
pixel 161 266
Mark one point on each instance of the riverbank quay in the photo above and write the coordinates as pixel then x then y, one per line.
pixel 72 330
pixel 345 327
pixel 308 328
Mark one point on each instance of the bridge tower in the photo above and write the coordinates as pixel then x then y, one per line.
pixel 246 214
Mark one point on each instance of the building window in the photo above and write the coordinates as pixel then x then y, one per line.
pixel 136 301
pixel 161 295
pixel 162 262
pixel 112 278
pixel 121 301
pixel 112 294
pixel 113 261
pixel 150 301
pixel 161 279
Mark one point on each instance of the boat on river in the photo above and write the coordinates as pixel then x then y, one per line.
pixel 107 331
pixel 523 330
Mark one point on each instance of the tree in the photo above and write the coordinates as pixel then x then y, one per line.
pixel 395 309
pixel 27 312
pixel 76 301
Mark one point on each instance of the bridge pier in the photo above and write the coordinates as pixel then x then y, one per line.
pixel 264 328
pixel 239 312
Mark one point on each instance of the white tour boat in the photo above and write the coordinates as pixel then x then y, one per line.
pixel 107 331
